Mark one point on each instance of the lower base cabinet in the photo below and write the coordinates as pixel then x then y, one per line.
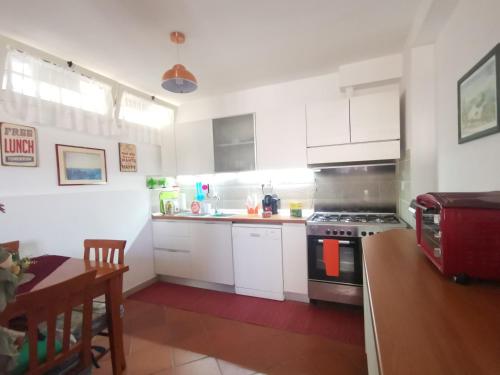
pixel 196 250
pixel 295 260
pixel 173 263
pixel 212 252
pixel 266 260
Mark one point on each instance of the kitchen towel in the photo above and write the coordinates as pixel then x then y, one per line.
pixel 331 257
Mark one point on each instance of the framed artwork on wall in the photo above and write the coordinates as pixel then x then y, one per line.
pixel 19 145
pixel 128 157
pixel 479 99
pixel 81 165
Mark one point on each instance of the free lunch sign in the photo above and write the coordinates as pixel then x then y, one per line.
pixel 19 145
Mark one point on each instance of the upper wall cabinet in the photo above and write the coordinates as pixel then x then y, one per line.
pixel 194 147
pixel 234 143
pixel 328 123
pixel 281 138
pixel 375 117
pixel 362 128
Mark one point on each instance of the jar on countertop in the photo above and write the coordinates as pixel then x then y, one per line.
pixel 296 209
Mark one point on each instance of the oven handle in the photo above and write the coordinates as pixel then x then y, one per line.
pixel 341 242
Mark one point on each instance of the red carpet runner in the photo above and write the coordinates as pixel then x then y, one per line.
pixel 336 322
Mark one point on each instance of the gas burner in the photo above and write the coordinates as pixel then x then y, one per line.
pixel 383 219
pixel 354 218
pixel 325 218
pixel 351 224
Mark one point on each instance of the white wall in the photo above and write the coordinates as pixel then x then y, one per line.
pixel 472 31
pixel 418 164
pixel 48 218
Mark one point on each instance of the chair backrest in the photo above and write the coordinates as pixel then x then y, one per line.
pixel 12 246
pixel 45 305
pixel 105 250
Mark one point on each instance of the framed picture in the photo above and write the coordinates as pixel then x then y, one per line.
pixel 19 145
pixel 81 165
pixel 128 157
pixel 479 99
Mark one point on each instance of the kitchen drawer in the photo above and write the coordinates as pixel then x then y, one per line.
pixel 173 263
pixel 173 235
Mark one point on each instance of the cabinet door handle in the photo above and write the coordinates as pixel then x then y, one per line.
pixel 175 251
pixel 254 235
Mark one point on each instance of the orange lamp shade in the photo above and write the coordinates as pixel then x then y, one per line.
pixel 179 80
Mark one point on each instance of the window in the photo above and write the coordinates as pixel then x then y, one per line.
pixel 36 78
pixel 144 112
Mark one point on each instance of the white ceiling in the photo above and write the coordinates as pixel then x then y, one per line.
pixel 231 44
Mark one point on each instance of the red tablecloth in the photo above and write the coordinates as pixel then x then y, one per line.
pixel 42 267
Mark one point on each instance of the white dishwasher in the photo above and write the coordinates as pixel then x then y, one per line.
pixel 258 265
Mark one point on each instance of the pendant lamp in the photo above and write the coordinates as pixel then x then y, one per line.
pixel 178 79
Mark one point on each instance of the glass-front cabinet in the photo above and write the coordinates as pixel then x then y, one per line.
pixel 234 143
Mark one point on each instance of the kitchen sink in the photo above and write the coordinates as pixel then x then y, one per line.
pixel 190 214
pixel 222 214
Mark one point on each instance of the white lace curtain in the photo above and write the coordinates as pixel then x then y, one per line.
pixel 39 92
pixel 143 119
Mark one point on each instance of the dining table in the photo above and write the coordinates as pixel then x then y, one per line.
pixel 49 270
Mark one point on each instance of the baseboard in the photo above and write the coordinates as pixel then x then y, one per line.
pixel 291 296
pixel 141 286
pixel 198 284
pixel 299 297
pixel 261 294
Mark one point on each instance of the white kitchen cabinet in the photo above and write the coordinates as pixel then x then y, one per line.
pixel 212 254
pixel 173 235
pixel 375 116
pixel 168 154
pixel 294 240
pixel 194 147
pixel 234 143
pixel 173 263
pixel 354 152
pixel 328 123
pixel 258 264
pixel 172 248
pixel 195 250
pixel 281 138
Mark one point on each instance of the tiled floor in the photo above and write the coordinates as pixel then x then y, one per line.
pixel 160 340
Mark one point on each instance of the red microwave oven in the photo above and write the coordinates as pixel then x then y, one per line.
pixel 460 233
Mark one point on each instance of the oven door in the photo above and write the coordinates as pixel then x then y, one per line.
pixel 349 260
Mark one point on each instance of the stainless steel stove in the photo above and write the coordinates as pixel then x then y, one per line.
pixel 335 252
pixel 351 224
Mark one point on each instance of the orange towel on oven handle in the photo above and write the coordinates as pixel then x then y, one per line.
pixel 331 257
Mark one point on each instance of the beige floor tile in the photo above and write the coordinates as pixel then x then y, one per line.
pixel 182 356
pixel 149 360
pixel 206 366
pixel 228 368
pixel 159 338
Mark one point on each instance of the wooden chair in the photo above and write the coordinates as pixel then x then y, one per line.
pixel 44 306
pixel 12 246
pixel 106 251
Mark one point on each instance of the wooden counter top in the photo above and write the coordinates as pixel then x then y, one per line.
pixel 238 218
pixel 423 322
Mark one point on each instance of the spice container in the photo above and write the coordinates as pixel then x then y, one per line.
pixel 296 209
